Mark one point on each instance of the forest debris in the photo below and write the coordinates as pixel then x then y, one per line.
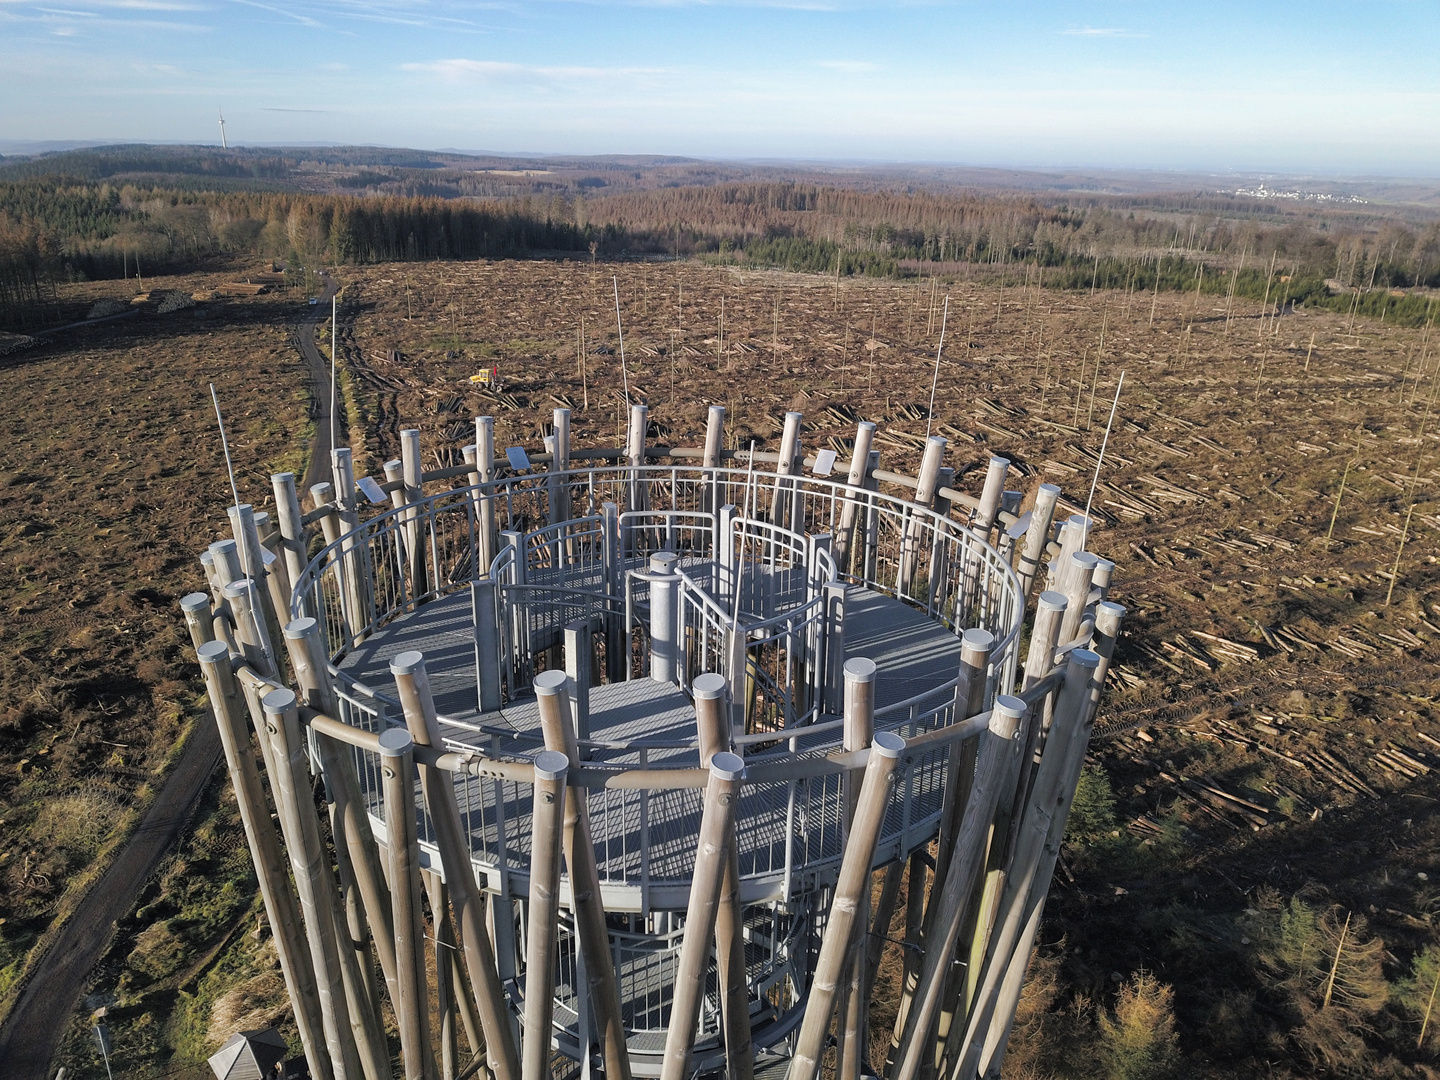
pixel 1227 649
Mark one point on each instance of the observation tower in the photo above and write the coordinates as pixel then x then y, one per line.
pixel 627 753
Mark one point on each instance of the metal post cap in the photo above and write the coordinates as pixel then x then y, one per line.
pixel 221 545
pixel 727 766
pixel 213 652
pixel 1110 607
pixel 663 562
pixel 1005 717
pixel 395 742
pixel 1085 658
pixel 1011 704
pixel 998 462
pixel 1050 600
pixel 549 682
pixel 709 686
pixel 297 629
pixel 194 602
pixel 279 701
pixel 860 669
pixel 1048 489
pixel 407 663
pixel 1086 560
pixel 887 744
pixel 977 639
pixel 551 765
pixel 238 587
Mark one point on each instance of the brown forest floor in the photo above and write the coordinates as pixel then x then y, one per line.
pixel 111 480
pixel 1258 657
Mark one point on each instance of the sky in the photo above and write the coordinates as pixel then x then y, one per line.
pixel 1317 87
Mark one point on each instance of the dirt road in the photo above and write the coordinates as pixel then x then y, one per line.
pixel 318 467
pixel 30 1035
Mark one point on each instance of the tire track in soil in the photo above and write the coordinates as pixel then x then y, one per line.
pixel 32 1032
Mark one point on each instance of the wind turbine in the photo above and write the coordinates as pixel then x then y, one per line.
pixel 223 144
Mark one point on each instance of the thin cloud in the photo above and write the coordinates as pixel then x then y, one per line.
pixel 303 20
pixel 471 71
pixel 1099 31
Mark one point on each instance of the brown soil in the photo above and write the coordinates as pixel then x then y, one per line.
pixel 111 480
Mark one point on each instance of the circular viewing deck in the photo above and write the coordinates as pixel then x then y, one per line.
pixel 812 673
pixel 895 583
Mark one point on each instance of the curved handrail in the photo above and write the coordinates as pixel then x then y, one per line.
pixel 820 500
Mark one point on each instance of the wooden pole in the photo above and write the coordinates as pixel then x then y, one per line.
pixel 350 822
pixel 998 744
pixel 784 467
pixel 854 878
pixel 717 822
pixel 880 927
pixel 1076 579
pixel 243 596
pixel 415 532
pixel 714 444
pixel 635 449
pixel 542 932
pixel 444 971
pixel 589 909
pixel 712 722
pixel 962 984
pixel 990 496
pixel 485 462
pixel 353 551
pixel 313 881
pixel 280 905
pixel 561 463
pixel 290 522
pixel 858 732
pixel 412 1010
pixel 911 956
pixel 859 464
pixel 927 483
pixel 1018 915
pixel 412 683
pixel 1042 516
pixel 975 647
